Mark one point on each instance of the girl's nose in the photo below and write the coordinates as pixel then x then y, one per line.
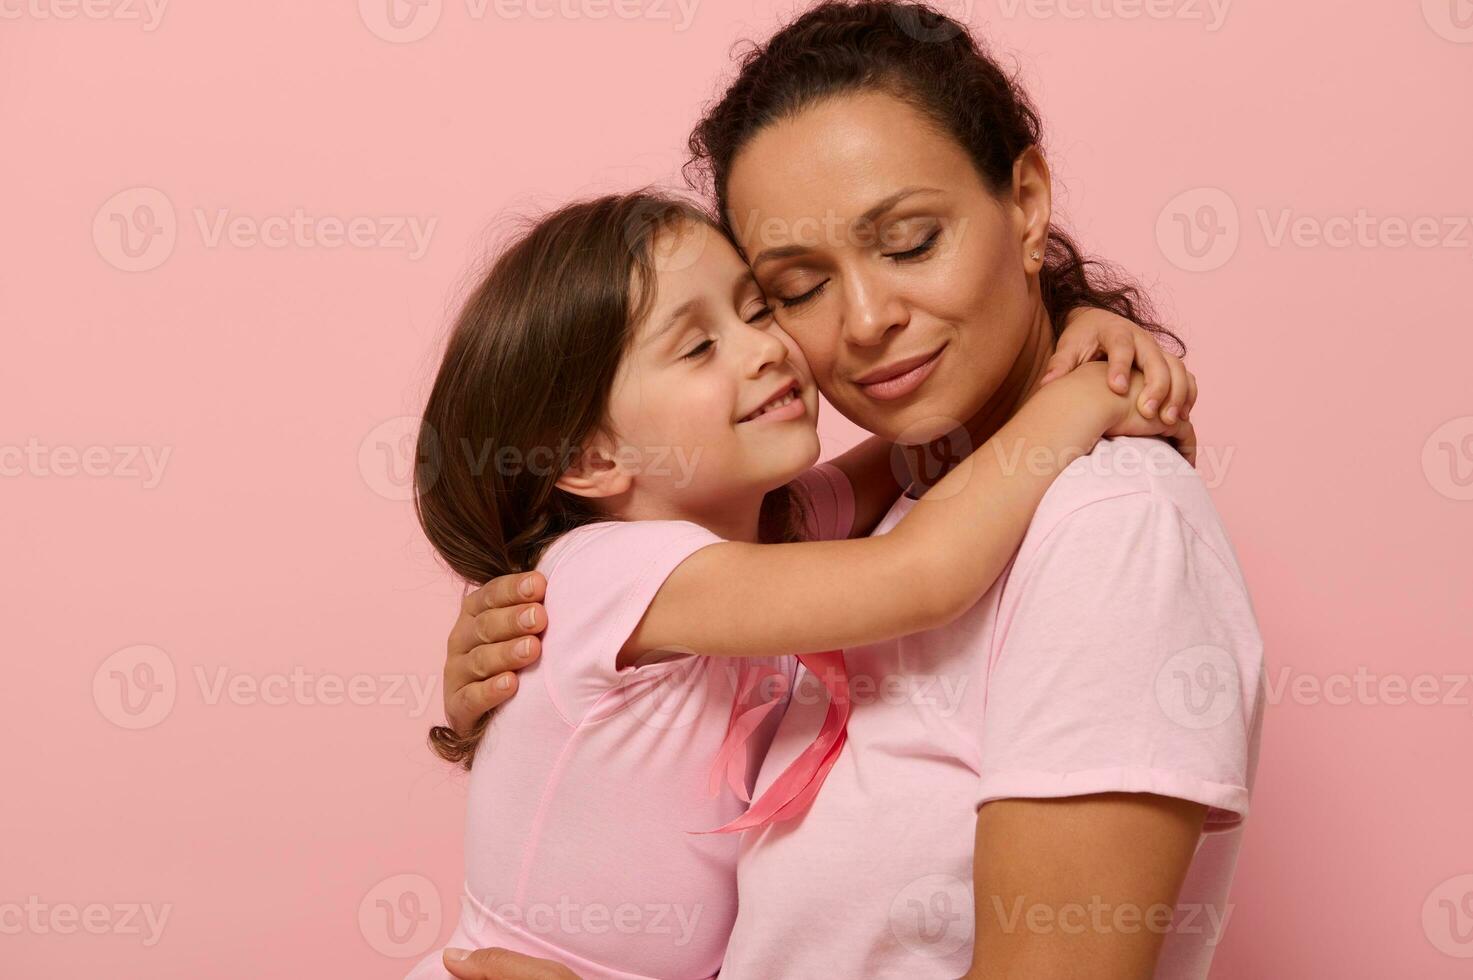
pixel 767 351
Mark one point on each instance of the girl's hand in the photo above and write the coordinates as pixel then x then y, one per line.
pixel 1133 422
pixel 1090 334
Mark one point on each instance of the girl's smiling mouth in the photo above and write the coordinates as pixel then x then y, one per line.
pixel 786 405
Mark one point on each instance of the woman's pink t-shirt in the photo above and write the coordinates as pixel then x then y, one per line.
pixel 588 784
pixel 1119 652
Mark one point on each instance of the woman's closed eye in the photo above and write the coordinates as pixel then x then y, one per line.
pixel 789 302
pixel 919 250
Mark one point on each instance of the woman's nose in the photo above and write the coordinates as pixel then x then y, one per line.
pixel 871 308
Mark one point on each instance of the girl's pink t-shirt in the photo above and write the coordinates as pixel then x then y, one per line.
pixel 589 782
pixel 1119 652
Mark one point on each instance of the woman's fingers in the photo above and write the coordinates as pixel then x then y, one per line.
pixel 465 706
pixel 505 590
pixel 491 659
pixel 492 639
pixel 494 626
pixel 502 964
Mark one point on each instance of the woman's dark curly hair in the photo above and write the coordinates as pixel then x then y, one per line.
pixel 919 55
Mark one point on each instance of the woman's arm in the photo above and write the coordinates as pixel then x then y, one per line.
pixel 1079 885
pixel 935 564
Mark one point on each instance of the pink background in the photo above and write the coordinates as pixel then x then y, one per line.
pixel 270 820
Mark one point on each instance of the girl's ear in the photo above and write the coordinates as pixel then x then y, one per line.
pixel 597 472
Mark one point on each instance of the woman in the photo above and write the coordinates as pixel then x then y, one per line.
pixel 1081 758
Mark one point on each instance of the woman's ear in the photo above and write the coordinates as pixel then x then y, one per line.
pixel 1033 204
pixel 597 471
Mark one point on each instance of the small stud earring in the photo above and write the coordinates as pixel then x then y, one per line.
pixel 1034 255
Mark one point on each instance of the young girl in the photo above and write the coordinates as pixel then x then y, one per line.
pixel 617 408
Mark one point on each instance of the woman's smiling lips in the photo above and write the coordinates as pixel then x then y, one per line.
pixel 900 378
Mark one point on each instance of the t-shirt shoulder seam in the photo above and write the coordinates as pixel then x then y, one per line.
pixel 1155 494
pixel 637 579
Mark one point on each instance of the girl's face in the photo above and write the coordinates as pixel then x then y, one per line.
pixel 885 256
pixel 713 400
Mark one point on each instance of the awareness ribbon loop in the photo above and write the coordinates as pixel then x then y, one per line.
pixel 795 788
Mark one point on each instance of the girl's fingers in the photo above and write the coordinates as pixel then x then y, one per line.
pixel 1178 395
pixel 1155 365
pixel 1186 411
pixel 1120 351
pixel 1185 440
pixel 1065 359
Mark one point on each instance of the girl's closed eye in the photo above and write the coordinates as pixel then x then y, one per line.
pixel 698 350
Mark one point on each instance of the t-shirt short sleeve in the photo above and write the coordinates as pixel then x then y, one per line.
pixel 830 502
pixel 1128 659
pixel 601 578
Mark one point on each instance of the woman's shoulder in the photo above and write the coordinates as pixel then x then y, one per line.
pixel 1128 491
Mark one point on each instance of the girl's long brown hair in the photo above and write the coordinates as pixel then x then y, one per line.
pixel 920 55
pixel 525 380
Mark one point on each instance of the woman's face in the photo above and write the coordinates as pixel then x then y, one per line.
pixel 883 253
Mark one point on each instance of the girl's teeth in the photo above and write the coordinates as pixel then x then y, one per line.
pixel 774 404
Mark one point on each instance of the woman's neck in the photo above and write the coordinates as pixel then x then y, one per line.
pixel 930 462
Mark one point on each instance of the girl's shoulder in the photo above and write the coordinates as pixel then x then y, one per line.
pixel 614 548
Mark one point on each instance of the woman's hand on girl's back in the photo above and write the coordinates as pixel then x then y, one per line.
pixel 495 635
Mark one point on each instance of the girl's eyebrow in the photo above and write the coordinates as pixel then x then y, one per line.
pixel 872 214
pixel 673 320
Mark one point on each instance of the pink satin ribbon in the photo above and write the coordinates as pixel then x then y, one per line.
pixel 795 788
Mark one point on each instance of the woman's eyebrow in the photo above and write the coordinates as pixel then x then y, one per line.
pixel 872 214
